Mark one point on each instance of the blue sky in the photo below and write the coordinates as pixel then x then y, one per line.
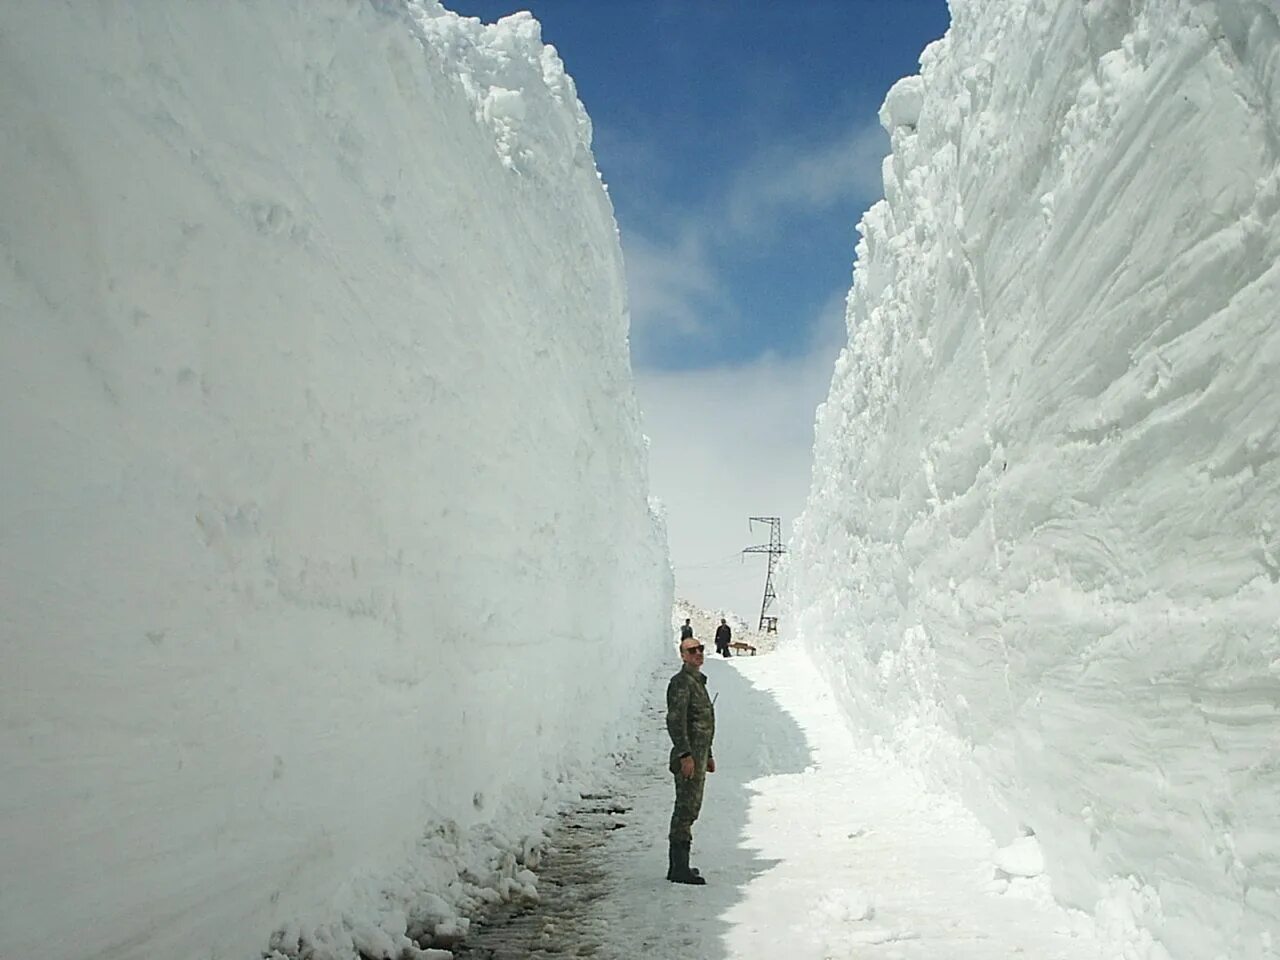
pixel 741 145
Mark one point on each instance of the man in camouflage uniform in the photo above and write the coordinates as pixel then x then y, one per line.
pixel 691 722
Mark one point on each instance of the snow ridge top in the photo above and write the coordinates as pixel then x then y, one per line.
pixel 510 76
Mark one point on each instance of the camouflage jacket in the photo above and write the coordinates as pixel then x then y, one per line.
pixel 691 719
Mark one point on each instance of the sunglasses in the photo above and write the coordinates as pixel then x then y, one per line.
pixel 698 649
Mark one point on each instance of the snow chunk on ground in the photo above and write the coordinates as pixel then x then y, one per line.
pixel 1022 858
pixel 844 906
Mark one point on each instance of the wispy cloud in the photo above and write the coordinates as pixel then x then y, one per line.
pixel 733 441
pixel 678 282
pixel 789 180
pixel 730 441
pixel 670 288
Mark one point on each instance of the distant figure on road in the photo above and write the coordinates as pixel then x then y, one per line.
pixel 691 722
pixel 723 636
pixel 686 632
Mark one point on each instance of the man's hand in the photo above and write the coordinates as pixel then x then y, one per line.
pixel 711 764
pixel 686 767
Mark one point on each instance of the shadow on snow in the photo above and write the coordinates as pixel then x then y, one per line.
pixel 603 891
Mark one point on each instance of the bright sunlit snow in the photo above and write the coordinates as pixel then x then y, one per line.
pixel 814 848
pixel 325 549
pixel 329 574
pixel 1039 558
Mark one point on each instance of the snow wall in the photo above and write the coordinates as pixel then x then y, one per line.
pixel 1041 552
pixel 324 518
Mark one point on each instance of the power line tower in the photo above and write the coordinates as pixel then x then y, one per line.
pixel 774 549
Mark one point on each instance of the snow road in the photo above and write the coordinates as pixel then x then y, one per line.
pixel 812 847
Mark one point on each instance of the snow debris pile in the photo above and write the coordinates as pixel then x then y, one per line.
pixel 1040 558
pixel 1022 858
pixel 327 561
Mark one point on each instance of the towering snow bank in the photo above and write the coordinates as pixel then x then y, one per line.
pixel 1041 552
pixel 324 510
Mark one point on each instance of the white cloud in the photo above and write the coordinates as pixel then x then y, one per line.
pixel 668 289
pixel 675 288
pixel 788 178
pixel 734 441
pixel 728 443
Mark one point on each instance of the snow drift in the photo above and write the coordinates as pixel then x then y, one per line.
pixel 1041 555
pixel 324 517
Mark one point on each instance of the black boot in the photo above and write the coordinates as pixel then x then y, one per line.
pixel 671 864
pixel 678 866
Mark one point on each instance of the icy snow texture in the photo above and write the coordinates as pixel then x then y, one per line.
pixel 1022 858
pixel 1041 551
pixel 324 517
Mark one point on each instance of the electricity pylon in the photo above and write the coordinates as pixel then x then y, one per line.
pixel 774 549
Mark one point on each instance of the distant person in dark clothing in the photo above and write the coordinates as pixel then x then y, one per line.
pixel 686 632
pixel 723 636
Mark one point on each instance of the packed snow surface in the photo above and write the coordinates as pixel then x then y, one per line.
pixel 1041 553
pixel 324 537
pixel 814 847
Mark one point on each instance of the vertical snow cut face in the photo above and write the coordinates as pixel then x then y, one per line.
pixel 325 515
pixel 1041 552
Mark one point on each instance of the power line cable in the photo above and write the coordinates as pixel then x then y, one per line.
pixel 709 563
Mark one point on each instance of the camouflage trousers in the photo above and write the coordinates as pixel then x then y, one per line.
pixel 688 804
